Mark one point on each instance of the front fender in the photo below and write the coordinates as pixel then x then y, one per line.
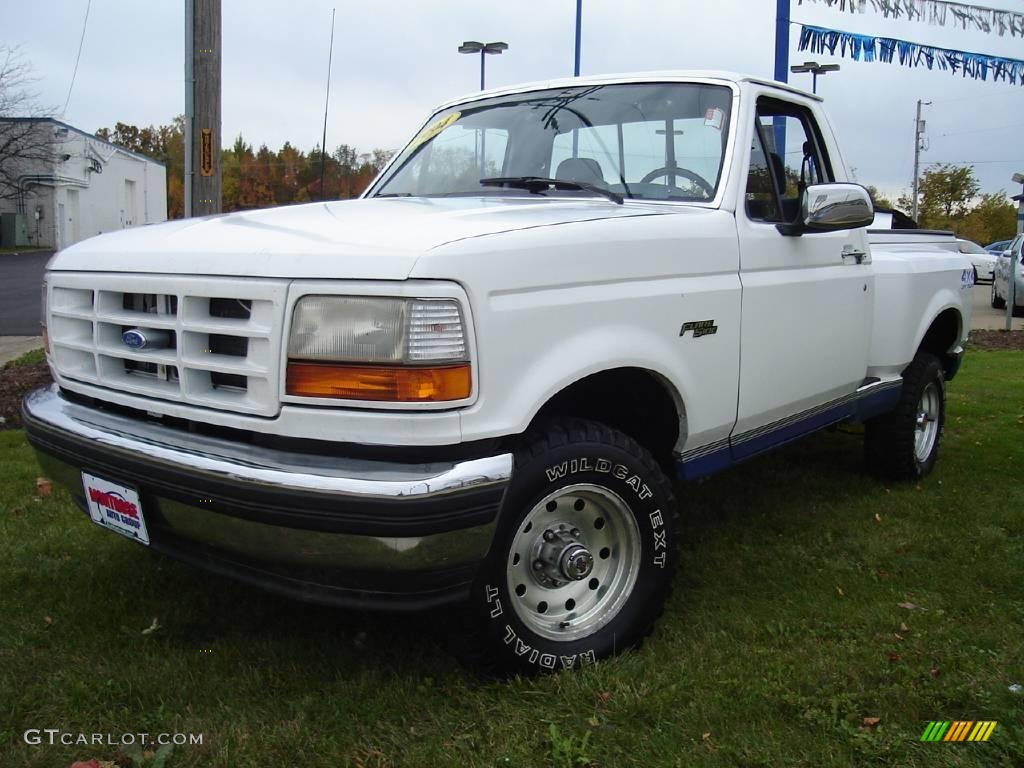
pixel 572 360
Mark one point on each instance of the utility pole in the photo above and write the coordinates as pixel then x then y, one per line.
pixel 202 107
pixel 918 139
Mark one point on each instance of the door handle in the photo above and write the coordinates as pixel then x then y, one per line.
pixel 852 255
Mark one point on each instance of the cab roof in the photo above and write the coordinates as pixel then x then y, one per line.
pixel 670 75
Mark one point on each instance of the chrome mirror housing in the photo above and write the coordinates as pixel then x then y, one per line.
pixel 832 208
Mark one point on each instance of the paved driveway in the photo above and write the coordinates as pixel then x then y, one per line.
pixel 983 317
pixel 21 277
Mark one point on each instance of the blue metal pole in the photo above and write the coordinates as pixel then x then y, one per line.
pixel 781 66
pixel 579 26
pixel 782 41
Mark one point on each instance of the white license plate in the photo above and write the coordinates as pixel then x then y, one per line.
pixel 115 507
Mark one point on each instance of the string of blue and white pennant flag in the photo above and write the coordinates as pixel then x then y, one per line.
pixel 938 13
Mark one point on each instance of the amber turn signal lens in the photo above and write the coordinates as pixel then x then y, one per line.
pixel 398 384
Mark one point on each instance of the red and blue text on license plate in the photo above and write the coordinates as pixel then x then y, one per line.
pixel 115 507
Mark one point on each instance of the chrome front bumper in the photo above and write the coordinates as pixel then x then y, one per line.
pixel 324 528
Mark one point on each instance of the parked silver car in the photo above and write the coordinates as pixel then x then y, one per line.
pixel 1001 279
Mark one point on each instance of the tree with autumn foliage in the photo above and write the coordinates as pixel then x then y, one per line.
pixel 254 178
pixel 950 200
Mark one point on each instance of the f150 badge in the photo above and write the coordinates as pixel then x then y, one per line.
pixel 699 328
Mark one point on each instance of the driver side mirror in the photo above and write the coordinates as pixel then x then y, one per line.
pixel 832 208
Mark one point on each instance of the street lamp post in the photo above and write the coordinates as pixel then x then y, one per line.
pixel 579 40
pixel 472 46
pixel 815 69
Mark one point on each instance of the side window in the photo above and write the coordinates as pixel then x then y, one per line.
pixel 762 202
pixel 788 146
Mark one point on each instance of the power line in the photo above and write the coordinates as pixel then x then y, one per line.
pixel 968 98
pixel 74 74
pixel 981 130
pixel 974 162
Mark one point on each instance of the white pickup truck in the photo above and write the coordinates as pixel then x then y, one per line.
pixel 477 383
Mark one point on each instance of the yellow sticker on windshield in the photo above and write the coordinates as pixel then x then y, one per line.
pixel 434 128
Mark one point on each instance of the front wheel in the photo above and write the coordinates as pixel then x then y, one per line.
pixel 583 557
pixel 904 443
pixel 997 303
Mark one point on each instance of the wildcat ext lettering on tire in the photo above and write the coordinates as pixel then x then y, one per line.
pixel 583 557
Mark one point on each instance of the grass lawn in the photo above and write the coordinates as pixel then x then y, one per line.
pixel 809 598
pixel 31 357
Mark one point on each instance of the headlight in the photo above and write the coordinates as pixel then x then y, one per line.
pixel 382 349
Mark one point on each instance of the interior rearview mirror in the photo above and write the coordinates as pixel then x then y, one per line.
pixel 831 208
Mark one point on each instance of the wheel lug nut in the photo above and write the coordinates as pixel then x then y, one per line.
pixel 537 565
pixel 549 535
pixel 575 533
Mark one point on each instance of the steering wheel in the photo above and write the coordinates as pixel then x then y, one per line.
pixel 696 178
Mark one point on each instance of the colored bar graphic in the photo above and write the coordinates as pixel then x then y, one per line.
pixel 935 730
pixel 958 730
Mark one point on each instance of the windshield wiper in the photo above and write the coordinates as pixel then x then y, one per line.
pixel 537 184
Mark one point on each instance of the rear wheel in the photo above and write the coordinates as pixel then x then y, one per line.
pixel 583 557
pixel 904 443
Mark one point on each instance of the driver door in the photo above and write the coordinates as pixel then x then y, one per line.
pixel 806 307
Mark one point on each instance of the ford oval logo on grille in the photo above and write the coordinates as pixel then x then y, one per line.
pixel 145 338
pixel 134 338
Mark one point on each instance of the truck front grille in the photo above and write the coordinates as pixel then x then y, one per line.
pixel 216 342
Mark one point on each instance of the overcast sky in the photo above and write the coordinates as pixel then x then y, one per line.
pixel 394 61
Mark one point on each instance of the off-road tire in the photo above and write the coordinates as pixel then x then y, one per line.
pixel 554 464
pixel 891 440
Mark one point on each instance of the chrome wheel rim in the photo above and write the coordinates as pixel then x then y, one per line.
pixel 927 422
pixel 573 562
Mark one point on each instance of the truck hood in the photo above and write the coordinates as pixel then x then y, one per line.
pixel 374 239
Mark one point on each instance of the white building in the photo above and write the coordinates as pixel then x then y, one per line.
pixel 90 186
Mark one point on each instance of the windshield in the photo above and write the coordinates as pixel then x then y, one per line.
pixel 659 141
